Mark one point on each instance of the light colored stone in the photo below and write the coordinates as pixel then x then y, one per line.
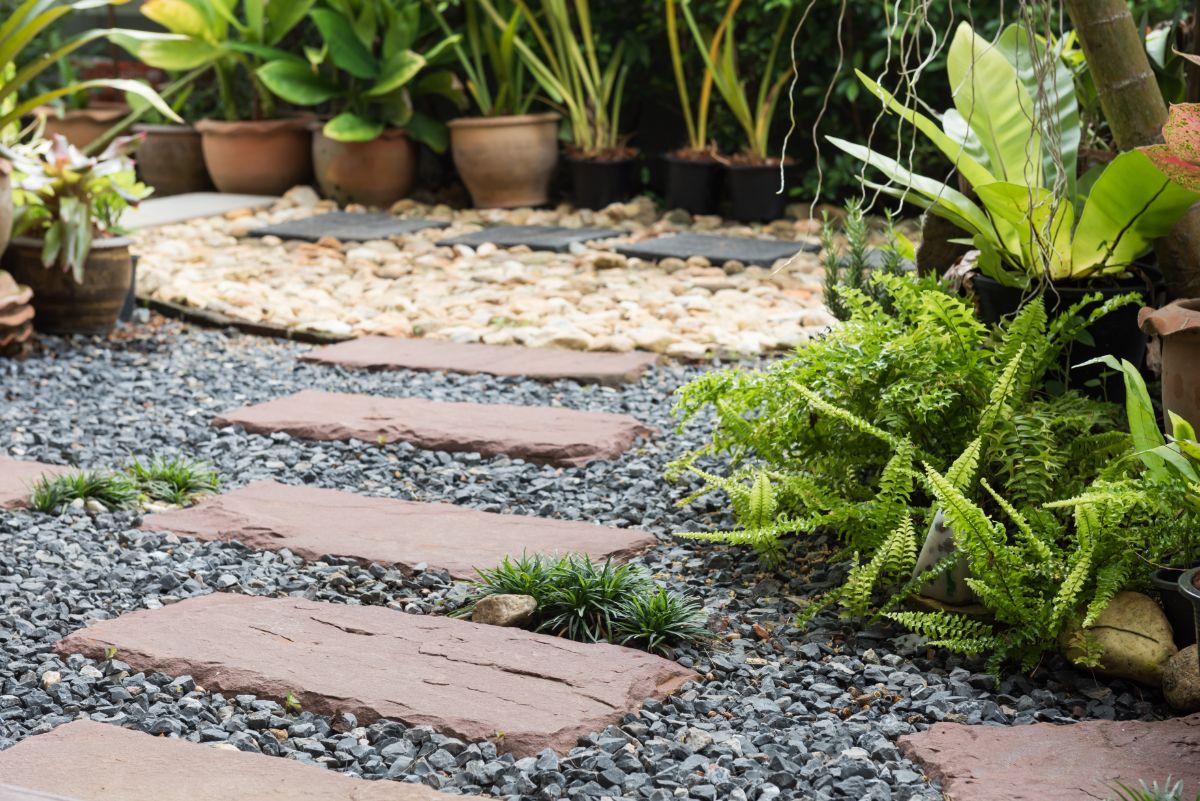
pixel 1181 681
pixel 1134 638
pixel 50 678
pixel 504 610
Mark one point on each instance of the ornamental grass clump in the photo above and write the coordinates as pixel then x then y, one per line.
pixel 176 480
pixel 113 490
pixel 596 602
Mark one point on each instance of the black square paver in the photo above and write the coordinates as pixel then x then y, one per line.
pixel 535 237
pixel 347 226
pixel 717 249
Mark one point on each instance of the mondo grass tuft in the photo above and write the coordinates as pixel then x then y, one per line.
pixel 596 601
pixel 1170 791
pixel 112 490
pixel 177 480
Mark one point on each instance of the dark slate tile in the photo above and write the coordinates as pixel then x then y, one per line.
pixel 536 237
pixel 347 227
pixel 717 249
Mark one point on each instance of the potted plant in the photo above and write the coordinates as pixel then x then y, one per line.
pixel 251 149
pixel 1034 225
pixel 81 116
pixel 567 67
pixel 68 246
pixel 756 179
pixel 694 171
pixel 369 73
pixel 171 156
pixel 17 94
pixel 506 156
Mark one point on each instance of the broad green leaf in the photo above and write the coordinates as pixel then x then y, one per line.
pixel 1181 429
pixel 398 70
pixel 167 51
pixel 1139 409
pixel 282 16
pixel 344 46
pixel 181 17
pixel 955 150
pixel 990 96
pixel 297 83
pixel 1131 204
pixel 444 83
pixel 348 127
pixel 429 132
pixel 118 84
pixel 957 129
pixel 1042 221
pixel 396 107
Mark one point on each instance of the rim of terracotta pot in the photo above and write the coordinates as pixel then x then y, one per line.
pixel 99 243
pixel 92 114
pixel 1178 317
pixel 165 128
pixel 390 134
pixel 253 126
pixel 504 121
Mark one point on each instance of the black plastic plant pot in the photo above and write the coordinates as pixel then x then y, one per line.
pixel 597 183
pixel 693 185
pixel 1189 587
pixel 754 189
pixel 1116 334
pixel 1177 608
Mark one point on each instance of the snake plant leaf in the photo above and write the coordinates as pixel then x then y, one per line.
pixel 989 95
pixel 297 83
pixel 347 50
pixel 1131 204
pixel 350 127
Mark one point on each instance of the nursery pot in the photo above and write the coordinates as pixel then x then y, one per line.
pixel 1189 586
pixel 63 306
pixel 1115 334
pixel 82 126
pixel 506 162
pixel 6 204
pixel 1175 605
pixel 171 159
pixel 693 185
pixel 598 183
pixel 374 173
pixel 267 157
pixel 754 189
pixel 1178 325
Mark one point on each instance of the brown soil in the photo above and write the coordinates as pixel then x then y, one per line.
pixel 745 159
pixel 691 154
pixel 607 154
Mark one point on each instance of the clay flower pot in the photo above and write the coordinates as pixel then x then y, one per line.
pixel 266 157
pixel 506 162
pixel 83 126
pixel 16 316
pixel 1178 325
pixel 63 306
pixel 6 204
pixel 375 173
pixel 171 160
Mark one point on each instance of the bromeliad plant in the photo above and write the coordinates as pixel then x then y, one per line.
pixel 497 78
pixel 721 59
pixel 563 59
pixel 67 199
pixel 209 34
pixel 367 68
pixel 28 20
pixel 596 602
pixel 1013 138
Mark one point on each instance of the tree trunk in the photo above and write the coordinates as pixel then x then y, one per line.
pixel 1136 111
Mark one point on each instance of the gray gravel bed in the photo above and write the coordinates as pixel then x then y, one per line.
pixel 781 712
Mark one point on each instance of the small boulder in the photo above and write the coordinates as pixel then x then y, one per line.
pixel 504 610
pixel 1181 681
pixel 1134 638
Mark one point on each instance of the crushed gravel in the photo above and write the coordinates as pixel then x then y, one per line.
pixel 782 713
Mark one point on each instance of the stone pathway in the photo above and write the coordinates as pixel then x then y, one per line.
pixel 554 238
pixel 312 523
pixel 88 761
pixel 523 691
pixel 1075 762
pixel 590 298
pixel 541 434
pixel 17 478
pixel 541 364
pixel 347 227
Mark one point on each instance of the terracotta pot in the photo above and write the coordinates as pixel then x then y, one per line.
pixel 1178 325
pixel 267 157
pixel 506 162
pixel 6 204
pixel 375 173
pixel 172 160
pixel 63 306
pixel 83 126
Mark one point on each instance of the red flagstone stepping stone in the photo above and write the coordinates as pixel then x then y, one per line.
pixel 313 522
pixel 91 761
pixel 17 479
pixel 543 364
pixel 1044 761
pixel 543 434
pixel 463 679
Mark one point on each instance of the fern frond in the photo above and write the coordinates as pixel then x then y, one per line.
pixel 962 473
